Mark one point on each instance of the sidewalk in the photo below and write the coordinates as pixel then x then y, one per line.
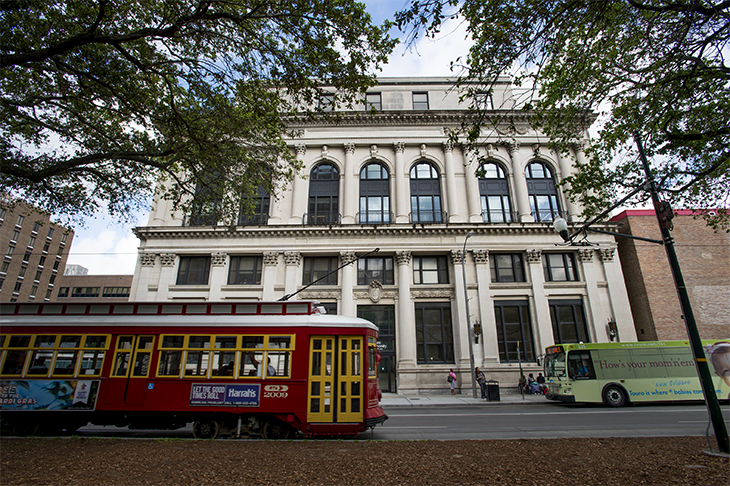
pixel 391 400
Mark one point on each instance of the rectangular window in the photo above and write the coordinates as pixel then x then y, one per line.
pixel 507 267
pixel 4 267
pixel 21 272
pixel 434 335
pixel 316 268
pixel 85 292
pixel 373 101
pixel 559 267
pixel 53 355
pixel 50 233
pixel 15 236
pixel 514 331
pixel 327 102
pixel 36 227
pixel 430 270
pixel 371 269
pixel 63 292
pixel 569 323
pixel 31 242
pixel 193 270
pixel 11 250
pixel 20 221
pixel 119 292
pixel 38 275
pixel 245 270
pixel 420 101
pixel 26 257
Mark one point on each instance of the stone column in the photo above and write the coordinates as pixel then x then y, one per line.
pixel 268 279
pixel 299 189
pixel 292 259
pixel 401 184
pixel 349 182
pixel 451 194
pixel 618 298
pixel 349 272
pixel 461 323
pixel 596 315
pixel 522 200
pixel 473 198
pixel 543 326
pixel 167 275
pixel 571 210
pixel 405 323
pixel 218 275
pixel 145 286
pixel 488 348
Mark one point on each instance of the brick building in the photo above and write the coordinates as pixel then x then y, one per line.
pixel 91 288
pixel 704 258
pixel 35 251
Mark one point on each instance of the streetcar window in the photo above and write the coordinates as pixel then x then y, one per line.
pixel 280 341
pixel 145 342
pixel 14 362
pixel 95 342
pixel 252 342
pixel 44 341
pixel 170 363
pixel 19 342
pixel 142 356
pixel 280 362
pixel 91 362
pixel 372 358
pixel 224 363
pixel 225 342
pixel 2 341
pixel 199 342
pixel 122 357
pixel 65 363
pixel 172 341
pixel 196 363
pixel 39 362
pixel 70 342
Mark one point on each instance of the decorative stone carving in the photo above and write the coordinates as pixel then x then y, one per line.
pixel 320 295
pixel 423 150
pixel 534 256
pixel 606 254
pixel 271 257
pixel 403 257
pixel 167 259
pixel 296 133
pixel 586 255
pixel 480 256
pixel 347 257
pixel 399 147
pixel 218 259
pixel 373 150
pixel 491 150
pixel 447 146
pixel 375 292
pixel 292 258
pixel 536 149
pixel 432 294
pixel 300 148
pixel 513 146
pixel 349 148
pixel 147 259
pixel 456 257
pixel 325 150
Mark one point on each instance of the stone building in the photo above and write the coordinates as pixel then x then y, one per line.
pixel 35 251
pixel 704 258
pixel 393 181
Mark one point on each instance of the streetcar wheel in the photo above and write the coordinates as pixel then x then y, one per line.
pixel 614 396
pixel 206 428
pixel 276 429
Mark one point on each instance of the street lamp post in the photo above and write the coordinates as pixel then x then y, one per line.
pixel 468 324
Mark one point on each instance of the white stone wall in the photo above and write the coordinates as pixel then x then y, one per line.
pixel 398 138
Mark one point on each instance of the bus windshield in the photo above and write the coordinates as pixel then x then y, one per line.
pixel 555 365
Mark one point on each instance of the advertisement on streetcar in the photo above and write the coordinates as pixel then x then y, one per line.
pixel 235 395
pixel 48 394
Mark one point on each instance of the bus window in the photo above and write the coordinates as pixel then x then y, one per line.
pixel 580 365
pixel 555 365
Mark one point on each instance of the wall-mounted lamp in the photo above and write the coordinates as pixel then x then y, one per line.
pixel 477 332
pixel 612 329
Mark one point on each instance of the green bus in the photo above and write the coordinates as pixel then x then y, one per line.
pixel 620 373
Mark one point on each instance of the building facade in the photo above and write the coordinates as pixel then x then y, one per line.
pixel 93 288
pixel 455 234
pixel 704 258
pixel 35 251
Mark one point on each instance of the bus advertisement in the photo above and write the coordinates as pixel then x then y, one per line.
pixel 620 373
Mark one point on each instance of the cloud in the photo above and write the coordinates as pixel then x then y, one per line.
pixel 105 247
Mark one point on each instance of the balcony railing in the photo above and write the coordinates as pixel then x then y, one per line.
pixel 374 217
pixel 324 219
pixel 499 216
pixel 428 217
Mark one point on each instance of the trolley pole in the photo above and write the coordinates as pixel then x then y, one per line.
pixel 713 405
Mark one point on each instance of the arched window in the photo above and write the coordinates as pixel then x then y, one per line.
pixel 425 194
pixel 494 194
pixel 541 191
pixel 324 191
pixel 255 209
pixel 374 194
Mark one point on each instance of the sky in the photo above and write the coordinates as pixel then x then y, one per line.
pixel 108 247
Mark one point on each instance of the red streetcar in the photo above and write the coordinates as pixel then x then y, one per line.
pixel 244 369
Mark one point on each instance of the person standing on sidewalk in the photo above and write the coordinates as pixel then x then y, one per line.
pixel 452 380
pixel 482 381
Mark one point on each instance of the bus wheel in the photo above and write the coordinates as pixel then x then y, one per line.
pixel 205 428
pixel 614 396
pixel 276 429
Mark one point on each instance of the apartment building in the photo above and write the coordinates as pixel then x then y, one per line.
pixel 391 221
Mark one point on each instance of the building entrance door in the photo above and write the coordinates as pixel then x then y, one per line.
pixel 383 316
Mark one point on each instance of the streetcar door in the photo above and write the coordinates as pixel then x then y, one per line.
pixel 335 379
pixel 130 368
